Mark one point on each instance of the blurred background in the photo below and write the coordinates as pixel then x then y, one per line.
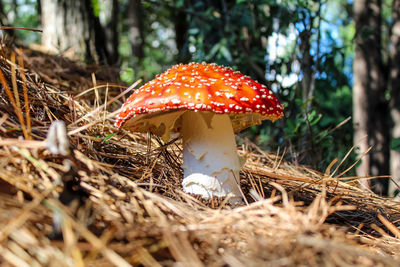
pixel 335 65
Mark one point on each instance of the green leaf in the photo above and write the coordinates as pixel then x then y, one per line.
pixel 179 4
pixel 213 51
pixel 106 139
pixel 316 119
pixel 193 31
pixel 311 115
pixel 290 125
pixel 395 145
pixel 127 75
pixel 226 54
pixel 96 8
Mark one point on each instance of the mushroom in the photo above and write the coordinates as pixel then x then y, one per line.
pixel 206 104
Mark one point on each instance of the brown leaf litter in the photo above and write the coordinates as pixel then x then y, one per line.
pixel 132 210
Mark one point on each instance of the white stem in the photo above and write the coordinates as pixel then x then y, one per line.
pixel 211 162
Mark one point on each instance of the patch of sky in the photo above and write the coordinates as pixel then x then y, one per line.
pixel 280 44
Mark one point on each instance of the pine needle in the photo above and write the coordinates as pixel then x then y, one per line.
pixel 26 97
pixel 18 110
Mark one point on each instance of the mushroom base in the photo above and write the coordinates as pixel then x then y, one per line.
pixel 211 162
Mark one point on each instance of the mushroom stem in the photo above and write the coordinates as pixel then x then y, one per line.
pixel 211 162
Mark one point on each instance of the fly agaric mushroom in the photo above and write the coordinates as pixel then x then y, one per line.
pixel 206 103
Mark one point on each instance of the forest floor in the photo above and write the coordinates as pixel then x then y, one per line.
pixel 116 198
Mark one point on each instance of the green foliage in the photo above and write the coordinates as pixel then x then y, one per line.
pixel 295 127
pixel 107 138
pixel 261 39
pixel 237 33
pixel 96 7
pixel 22 16
pixel 159 44
pixel 395 145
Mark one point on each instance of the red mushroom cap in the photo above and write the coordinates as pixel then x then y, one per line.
pixel 204 87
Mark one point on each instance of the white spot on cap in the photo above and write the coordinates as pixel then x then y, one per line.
pixel 175 101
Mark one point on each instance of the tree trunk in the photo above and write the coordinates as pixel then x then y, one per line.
pixel 254 42
pixel 369 104
pixel 3 17
pixel 12 15
pixel 181 35
pixel 135 29
pixel 305 145
pixel 395 97
pixel 70 27
pixel 4 21
pixel 309 68
pixel 109 21
pixel 39 9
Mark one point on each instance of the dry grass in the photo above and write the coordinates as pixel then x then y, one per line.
pixel 127 206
